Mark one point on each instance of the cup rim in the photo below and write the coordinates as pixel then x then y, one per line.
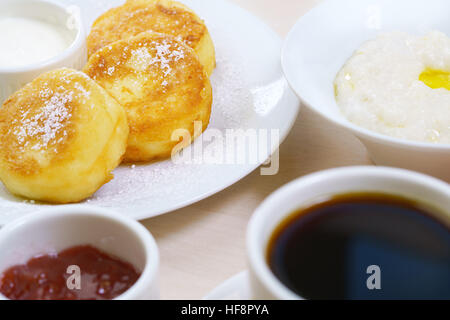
pixel 257 254
pixel 76 44
pixel 150 271
pixel 344 123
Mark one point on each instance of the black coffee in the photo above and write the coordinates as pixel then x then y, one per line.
pixel 363 246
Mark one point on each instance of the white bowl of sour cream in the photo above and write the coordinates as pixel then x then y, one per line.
pixel 322 43
pixel 37 36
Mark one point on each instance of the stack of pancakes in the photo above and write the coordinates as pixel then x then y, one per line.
pixel 145 86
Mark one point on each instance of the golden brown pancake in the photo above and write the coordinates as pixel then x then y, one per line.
pixel 162 16
pixel 60 137
pixel 162 85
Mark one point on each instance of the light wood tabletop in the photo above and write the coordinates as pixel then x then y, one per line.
pixel 204 244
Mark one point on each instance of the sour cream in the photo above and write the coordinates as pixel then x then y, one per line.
pixel 27 41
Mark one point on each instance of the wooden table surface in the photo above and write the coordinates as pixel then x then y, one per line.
pixel 204 244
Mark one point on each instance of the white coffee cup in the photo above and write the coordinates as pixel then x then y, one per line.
pixel 64 227
pixel 307 190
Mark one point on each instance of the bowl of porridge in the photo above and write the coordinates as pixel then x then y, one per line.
pixel 380 69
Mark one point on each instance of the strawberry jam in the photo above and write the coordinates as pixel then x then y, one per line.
pixel 48 277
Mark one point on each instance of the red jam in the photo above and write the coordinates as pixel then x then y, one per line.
pixel 46 277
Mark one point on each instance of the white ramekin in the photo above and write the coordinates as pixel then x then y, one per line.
pixel 67 226
pixel 309 189
pixel 75 56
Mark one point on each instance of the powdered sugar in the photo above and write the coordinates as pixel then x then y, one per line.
pixel 152 183
pixel 165 54
pixel 232 98
pixel 80 88
pixel 111 70
pixel 48 123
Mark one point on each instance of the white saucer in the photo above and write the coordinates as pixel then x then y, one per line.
pixel 250 92
pixel 235 288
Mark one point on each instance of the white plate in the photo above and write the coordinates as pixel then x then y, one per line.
pixel 250 92
pixel 235 288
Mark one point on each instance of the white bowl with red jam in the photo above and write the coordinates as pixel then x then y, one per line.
pixel 77 253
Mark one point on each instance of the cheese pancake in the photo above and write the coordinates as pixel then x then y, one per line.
pixel 60 137
pixel 162 16
pixel 162 85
